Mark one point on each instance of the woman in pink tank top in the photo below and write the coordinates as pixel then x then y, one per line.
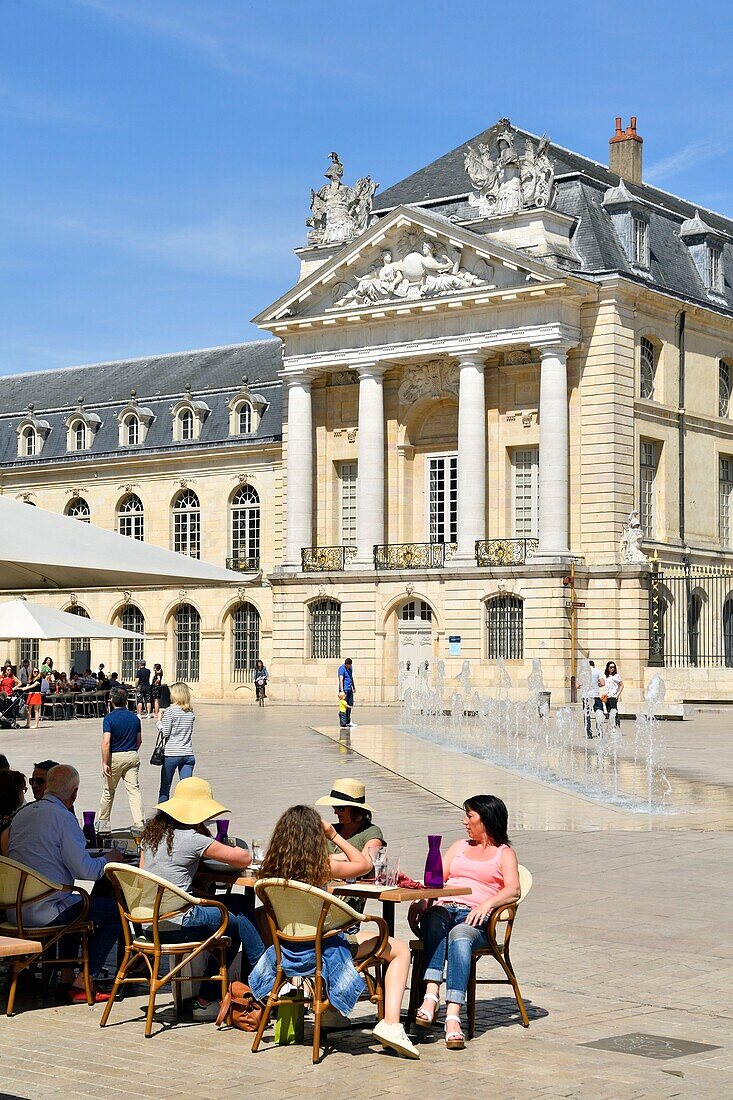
pixel 486 865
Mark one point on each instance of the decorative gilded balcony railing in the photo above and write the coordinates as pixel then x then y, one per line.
pixel 413 555
pixel 326 559
pixel 504 551
pixel 244 565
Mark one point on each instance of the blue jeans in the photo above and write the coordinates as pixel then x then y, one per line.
pixel 200 921
pixel 349 693
pixel 107 930
pixel 185 765
pixel 445 933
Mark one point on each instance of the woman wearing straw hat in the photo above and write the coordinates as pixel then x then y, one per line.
pixel 172 844
pixel 348 798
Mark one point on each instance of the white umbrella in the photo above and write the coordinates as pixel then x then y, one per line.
pixel 41 549
pixel 23 619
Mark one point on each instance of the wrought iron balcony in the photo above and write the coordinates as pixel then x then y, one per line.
pixel 413 555
pixel 505 551
pixel 326 559
pixel 244 565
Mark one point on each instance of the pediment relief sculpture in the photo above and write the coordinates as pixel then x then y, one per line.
pixel 416 267
pixel 511 181
pixel 436 378
pixel 338 212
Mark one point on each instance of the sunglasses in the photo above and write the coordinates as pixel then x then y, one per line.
pixel 37 781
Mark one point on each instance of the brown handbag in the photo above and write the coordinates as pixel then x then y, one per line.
pixel 239 1008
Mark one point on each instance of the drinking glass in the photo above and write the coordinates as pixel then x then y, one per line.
pixel 222 829
pixel 393 871
pixel 380 866
pixel 258 852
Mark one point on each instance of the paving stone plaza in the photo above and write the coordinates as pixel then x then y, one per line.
pixel 621 949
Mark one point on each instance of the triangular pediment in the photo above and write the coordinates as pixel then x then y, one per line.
pixel 408 256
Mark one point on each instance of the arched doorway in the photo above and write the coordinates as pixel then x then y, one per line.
pixel 414 646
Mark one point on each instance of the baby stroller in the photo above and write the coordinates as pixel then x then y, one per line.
pixel 9 710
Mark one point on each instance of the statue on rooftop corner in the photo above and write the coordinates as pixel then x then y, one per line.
pixel 632 535
pixel 338 212
pixel 511 181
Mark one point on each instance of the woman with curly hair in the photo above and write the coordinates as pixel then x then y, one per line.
pixel 298 850
pixel 172 844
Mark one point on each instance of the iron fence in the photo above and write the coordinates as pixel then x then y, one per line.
pixel 250 564
pixel 326 559
pixel 690 616
pixel 413 555
pixel 504 551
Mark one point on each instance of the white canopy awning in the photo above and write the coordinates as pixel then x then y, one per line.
pixel 23 619
pixel 41 549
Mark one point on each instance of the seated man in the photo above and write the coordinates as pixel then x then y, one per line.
pixel 39 777
pixel 46 837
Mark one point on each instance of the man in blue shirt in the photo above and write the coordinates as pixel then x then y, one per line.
pixel 346 684
pixel 46 837
pixel 121 740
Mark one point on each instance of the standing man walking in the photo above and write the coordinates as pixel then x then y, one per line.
pixel 142 690
pixel 121 740
pixel 347 686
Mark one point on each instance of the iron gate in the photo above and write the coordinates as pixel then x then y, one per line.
pixel 690 616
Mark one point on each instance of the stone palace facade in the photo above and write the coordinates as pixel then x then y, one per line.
pixel 495 392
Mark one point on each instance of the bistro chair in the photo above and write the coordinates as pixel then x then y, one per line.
pixel 145 902
pixel 20 885
pixel 497 948
pixel 301 914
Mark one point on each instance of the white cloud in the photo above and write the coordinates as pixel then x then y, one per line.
pixel 686 157
pixel 29 105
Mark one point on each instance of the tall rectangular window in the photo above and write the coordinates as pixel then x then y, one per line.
pixel 347 479
pixel 649 459
pixel 640 232
pixel 526 492
pixel 715 268
pixel 725 493
pixel 29 648
pixel 443 498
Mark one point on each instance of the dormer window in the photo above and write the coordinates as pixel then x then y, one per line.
pixel 705 246
pixel 32 434
pixel 640 234
pixel 81 427
pixel 245 411
pixel 189 415
pixel 186 424
pixel 715 269
pixel 134 421
pixel 79 435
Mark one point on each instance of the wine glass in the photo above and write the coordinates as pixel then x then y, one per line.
pixel 258 852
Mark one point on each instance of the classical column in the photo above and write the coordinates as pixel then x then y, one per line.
pixel 554 447
pixel 299 529
pixel 370 472
pixel 471 457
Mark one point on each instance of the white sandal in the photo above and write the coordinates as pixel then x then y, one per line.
pixel 421 1017
pixel 454 1039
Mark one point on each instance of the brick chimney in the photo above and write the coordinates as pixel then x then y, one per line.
pixel 624 152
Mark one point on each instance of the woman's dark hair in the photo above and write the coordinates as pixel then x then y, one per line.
pixel 493 813
pixel 606 673
pixel 12 790
pixel 259 663
pixel 163 826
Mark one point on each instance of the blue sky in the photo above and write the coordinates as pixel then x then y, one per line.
pixel 158 155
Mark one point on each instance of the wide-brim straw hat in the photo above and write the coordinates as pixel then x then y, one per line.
pixel 192 803
pixel 346 792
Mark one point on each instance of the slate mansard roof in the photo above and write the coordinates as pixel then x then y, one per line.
pixel 215 376
pixel 444 186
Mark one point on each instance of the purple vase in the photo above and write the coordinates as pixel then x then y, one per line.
pixel 222 829
pixel 434 863
pixel 88 828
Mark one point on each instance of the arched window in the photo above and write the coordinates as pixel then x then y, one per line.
pixel 79 509
pixel 416 609
pixel 724 389
pixel 131 518
pixel 188 643
pixel 187 524
pixel 77 645
pixel 78 437
pixel 648 366
pixel 131 430
pixel 244 418
pixel 505 627
pixel 132 618
pixel 185 424
pixel 325 629
pixel 29 442
pixel 245 529
pixel 245 641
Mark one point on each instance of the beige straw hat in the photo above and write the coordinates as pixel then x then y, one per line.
pixel 346 792
pixel 192 802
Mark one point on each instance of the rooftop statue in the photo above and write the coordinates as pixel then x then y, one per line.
pixel 339 213
pixel 511 181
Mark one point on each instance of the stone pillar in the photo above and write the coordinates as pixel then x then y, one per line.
pixel 370 471
pixel 554 450
pixel 299 522
pixel 471 457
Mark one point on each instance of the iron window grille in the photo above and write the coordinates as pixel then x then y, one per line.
pixel 325 629
pixel 505 627
pixel 245 642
